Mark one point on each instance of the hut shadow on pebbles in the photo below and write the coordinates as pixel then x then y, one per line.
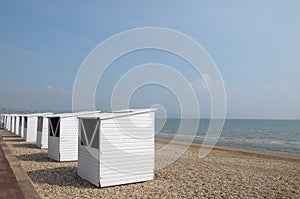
pixel 26 145
pixel 60 176
pixel 14 139
pixel 10 136
pixel 37 157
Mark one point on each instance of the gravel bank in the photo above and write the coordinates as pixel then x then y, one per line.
pixel 222 174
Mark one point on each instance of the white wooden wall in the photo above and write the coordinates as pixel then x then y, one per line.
pixel 30 133
pixel 21 130
pixel 8 123
pixel 127 150
pixel 42 136
pixel 13 124
pixel 68 139
pixel 17 125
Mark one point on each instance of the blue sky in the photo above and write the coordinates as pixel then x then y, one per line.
pixel 255 45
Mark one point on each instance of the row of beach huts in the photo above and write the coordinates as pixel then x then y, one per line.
pixel 111 148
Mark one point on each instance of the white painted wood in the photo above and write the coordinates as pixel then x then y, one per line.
pixel 13 124
pixel 42 134
pixel 67 147
pixel 126 148
pixel 17 125
pixel 53 148
pixel 88 165
pixel 21 126
pixel 8 123
pixel 30 131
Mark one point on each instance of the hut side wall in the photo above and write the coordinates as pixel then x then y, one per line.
pixel 68 139
pixel 21 128
pixel 8 123
pixel 17 125
pixel 127 150
pixel 42 136
pixel 13 124
pixel 31 129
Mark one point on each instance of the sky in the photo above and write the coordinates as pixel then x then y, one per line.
pixel 255 45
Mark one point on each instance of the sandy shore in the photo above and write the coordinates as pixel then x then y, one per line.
pixel 224 173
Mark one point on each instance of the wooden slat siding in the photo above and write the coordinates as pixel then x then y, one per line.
pixel 118 174
pixel 8 123
pixel 69 139
pixel 124 135
pixel 127 165
pixel 116 154
pixel 21 133
pixel 44 134
pixel 53 148
pixel 15 125
pixel 127 141
pixel 12 124
pixel 18 125
pixel 119 181
pixel 128 149
pixel 111 171
pixel 24 133
pixel 31 129
pixel 88 166
pixel 39 139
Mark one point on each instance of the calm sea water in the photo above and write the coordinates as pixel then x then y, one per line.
pixel 269 135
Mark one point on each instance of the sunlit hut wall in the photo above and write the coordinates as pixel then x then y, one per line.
pixel 17 124
pixel 21 125
pixel 3 120
pixel 42 132
pixel 30 126
pixel 63 136
pixel 117 148
pixel 11 123
pixel 14 128
pixel 8 123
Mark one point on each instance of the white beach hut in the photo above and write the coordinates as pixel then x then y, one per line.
pixel 42 132
pixel 9 122
pixel 30 126
pixel 5 121
pixel 21 126
pixel 2 120
pixel 63 136
pixel 17 124
pixel 13 124
pixel 117 148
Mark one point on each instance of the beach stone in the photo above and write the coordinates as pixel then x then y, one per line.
pixel 222 174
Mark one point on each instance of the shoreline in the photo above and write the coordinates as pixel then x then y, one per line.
pixel 253 152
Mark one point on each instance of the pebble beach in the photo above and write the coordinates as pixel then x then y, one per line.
pixel 224 173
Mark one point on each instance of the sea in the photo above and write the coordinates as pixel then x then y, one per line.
pixel 281 136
